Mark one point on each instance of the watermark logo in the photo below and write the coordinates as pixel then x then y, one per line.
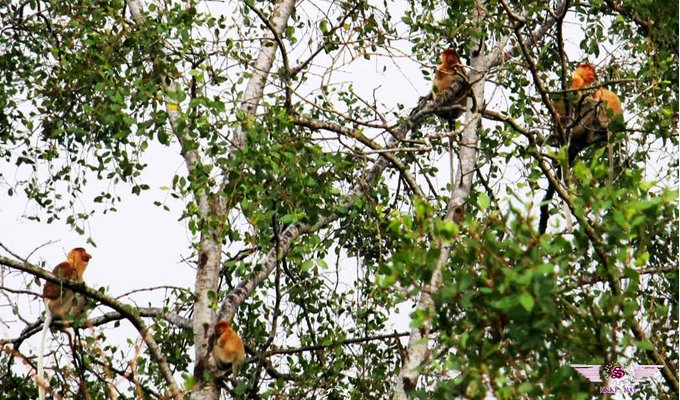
pixel 617 378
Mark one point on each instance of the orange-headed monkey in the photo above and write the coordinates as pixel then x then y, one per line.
pixel 447 71
pixel 450 71
pixel 585 75
pixel 229 347
pixel 592 119
pixel 62 302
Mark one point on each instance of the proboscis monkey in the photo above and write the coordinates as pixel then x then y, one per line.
pixel 585 75
pixel 449 71
pixel 229 348
pixel 591 125
pixel 61 302
pixel 595 112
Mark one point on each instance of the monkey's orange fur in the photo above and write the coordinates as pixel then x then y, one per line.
pixel 61 301
pixel 585 75
pixel 229 347
pixel 447 71
pixel 610 99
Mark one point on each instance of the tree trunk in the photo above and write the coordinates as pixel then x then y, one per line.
pixel 417 352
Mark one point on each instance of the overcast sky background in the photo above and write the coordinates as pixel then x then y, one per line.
pixel 142 245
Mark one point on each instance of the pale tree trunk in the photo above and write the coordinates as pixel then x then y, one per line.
pixel 211 206
pixel 210 245
pixel 263 65
pixel 417 353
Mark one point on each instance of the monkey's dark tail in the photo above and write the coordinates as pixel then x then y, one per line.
pixel 451 122
pixel 574 149
pixel 545 209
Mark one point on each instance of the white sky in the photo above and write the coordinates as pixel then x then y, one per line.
pixel 142 245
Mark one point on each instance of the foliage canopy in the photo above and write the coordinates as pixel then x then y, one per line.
pixel 321 202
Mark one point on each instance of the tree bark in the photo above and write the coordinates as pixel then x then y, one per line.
pixel 417 352
pixel 211 207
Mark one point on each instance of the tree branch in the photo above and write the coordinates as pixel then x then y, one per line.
pixel 359 136
pixel 282 48
pixel 610 272
pixel 292 232
pixel 125 310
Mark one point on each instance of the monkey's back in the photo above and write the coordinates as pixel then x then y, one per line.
pixel 230 347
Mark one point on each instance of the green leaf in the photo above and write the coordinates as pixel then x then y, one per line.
pixel 288 219
pixel 323 26
pixel 483 201
pixel 306 265
pixel 189 381
pixel 644 345
pixel 527 301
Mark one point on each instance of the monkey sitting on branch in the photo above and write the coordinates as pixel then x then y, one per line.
pixel 63 303
pixel 449 79
pixel 450 90
pixel 589 121
pixel 229 349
